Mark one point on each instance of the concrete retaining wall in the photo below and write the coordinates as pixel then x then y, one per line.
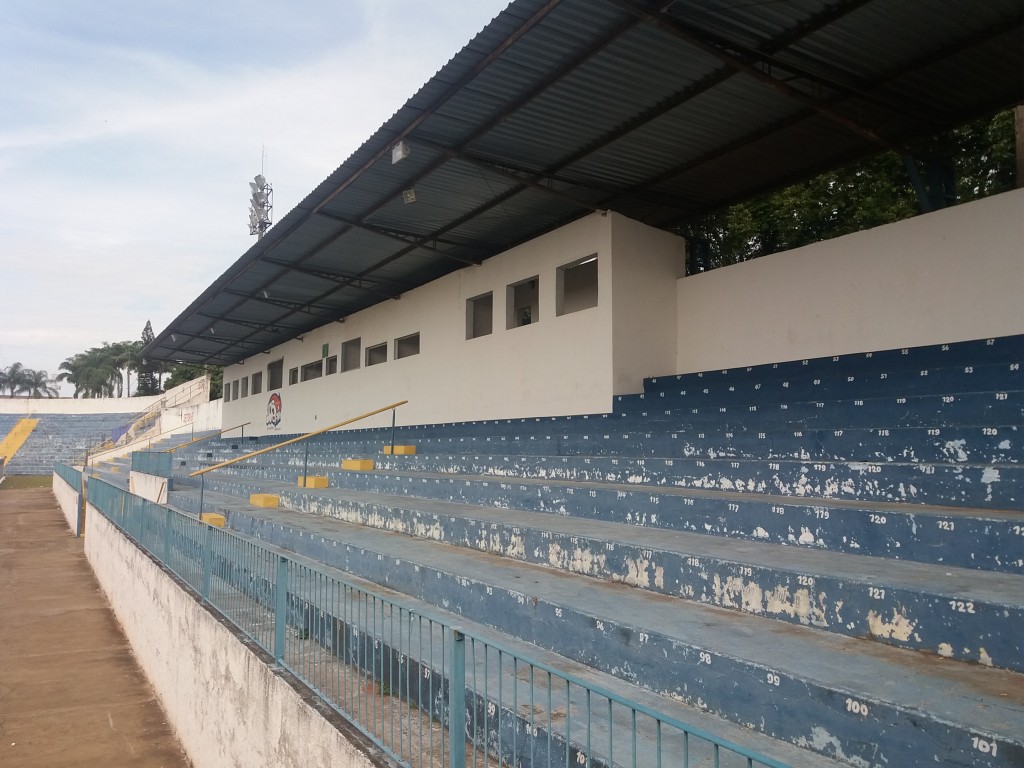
pixel 67 498
pixel 227 704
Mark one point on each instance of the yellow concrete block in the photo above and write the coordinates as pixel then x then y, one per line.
pixel 213 518
pixel 358 465
pixel 312 481
pixel 264 500
pixel 400 450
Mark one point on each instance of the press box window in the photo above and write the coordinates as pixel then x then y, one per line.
pixel 479 316
pixel 377 354
pixel 332 365
pixel 521 302
pixel 245 386
pixel 351 354
pixel 576 286
pixel 257 383
pixel 407 346
pixel 275 375
pixel 313 370
pixel 293 376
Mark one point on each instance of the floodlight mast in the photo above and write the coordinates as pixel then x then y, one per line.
pixel 261 204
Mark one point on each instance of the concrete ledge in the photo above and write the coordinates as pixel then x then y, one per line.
pixel 313 481
pixel 226 702
pixel 266 500
pixel 400 450
pixel 357 465
pixel 68 498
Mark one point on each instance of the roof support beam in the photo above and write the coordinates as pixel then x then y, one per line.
pixel 680 30
pixel 349 281
pixel 393 236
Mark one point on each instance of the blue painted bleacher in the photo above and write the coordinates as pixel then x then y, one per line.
pixel 765 544
pixel 62 438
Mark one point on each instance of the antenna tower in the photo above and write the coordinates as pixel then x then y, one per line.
pixel 261 203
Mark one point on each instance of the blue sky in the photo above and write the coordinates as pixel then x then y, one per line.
pixel 129 132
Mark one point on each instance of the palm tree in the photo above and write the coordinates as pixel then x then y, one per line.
pixel 89 372
pixel 13 378
pixel 38 384
pixel 127 355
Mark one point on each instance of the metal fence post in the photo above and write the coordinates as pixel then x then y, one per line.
pixel 280 607
pixel 207 561
pixel 457 702
pixel 167 536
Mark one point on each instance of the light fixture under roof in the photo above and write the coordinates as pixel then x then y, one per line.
pixel 409 195
pixel 399 152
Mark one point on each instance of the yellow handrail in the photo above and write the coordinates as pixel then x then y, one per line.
pixel 296 439
pixel 206 437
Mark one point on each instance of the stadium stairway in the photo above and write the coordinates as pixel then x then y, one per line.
pixel 827 555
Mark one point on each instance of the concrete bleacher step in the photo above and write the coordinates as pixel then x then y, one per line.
pixel 985 539
pixel 310 611
pixel 957 613
pixel 882 705
pixel 820 378
pixel 1007 349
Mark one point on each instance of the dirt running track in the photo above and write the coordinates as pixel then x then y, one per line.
pixel 71 692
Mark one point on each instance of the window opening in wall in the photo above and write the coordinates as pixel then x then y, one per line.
pixel 227 393
pixel 313 370
pixel 275 375
pixel 234 389
pixel 257 383
pixel 377 354
pixel 351 354
pixel 576 286
pixel 521 303
pixel 293 375
pixel 479 315
pixel 407 346
pixel 245 386
pixel 332 365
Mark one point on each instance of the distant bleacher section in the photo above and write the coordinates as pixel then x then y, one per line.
pixel 59 437
pixel 825 555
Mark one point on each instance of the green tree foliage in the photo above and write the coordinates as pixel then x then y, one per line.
pixel 97 371
pixel 148 381
pixel 16 379
pixel 182 372
pixel 980 156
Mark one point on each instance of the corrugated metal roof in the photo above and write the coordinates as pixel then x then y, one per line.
pixel 659 110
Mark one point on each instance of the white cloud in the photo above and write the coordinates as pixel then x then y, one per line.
pixel 126 151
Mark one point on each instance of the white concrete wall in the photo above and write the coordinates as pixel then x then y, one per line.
pixel 558 365
pixel 149 487
pixel 67 499
pixel 203 417
pixel 953 275
pixel 645 266
pixel 227 707
pixel 28 405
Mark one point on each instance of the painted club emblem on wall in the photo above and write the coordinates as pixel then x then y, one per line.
pixel 274 412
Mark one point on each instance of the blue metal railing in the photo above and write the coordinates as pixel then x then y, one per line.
pixel 406 678
pixel 152 463
pixel 69 475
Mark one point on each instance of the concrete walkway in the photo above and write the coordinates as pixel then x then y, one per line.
pixel 71 692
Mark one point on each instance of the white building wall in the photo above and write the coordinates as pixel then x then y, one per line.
pixel 557 365
pixel 646 264
pixel 952 275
